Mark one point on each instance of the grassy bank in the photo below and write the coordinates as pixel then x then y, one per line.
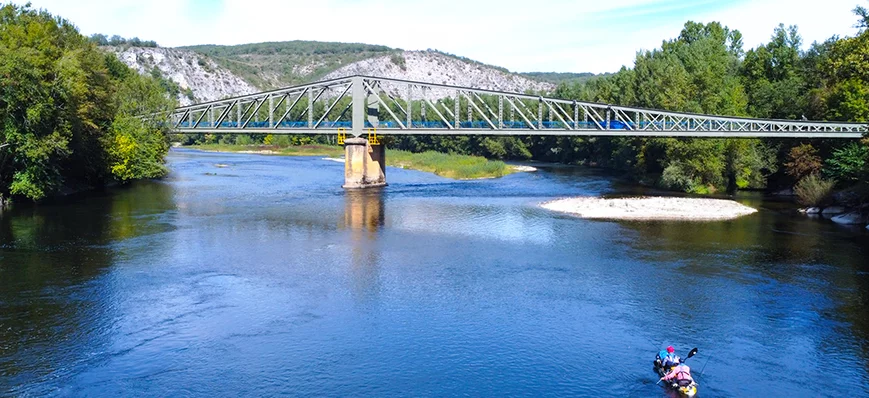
pixel 442 164
pixel 448 165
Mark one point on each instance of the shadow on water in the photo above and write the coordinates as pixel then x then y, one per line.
pixel 50 255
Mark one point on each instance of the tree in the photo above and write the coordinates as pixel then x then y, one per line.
pixel 772 78
pixel 863 13
pixel 803 161
pixel 99 39
pixel 116 40
pixel 848 164
pixel 843 74
pixel 62 102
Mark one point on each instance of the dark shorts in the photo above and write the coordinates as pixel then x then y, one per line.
pixel 684 382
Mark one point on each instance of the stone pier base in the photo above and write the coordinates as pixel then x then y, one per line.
pixel 364 164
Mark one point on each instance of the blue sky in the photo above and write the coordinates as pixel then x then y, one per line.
pixel 543 35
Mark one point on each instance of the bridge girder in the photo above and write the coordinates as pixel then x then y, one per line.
pixel 402 107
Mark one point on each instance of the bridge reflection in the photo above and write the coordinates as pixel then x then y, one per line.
pixel 363 210
pixel 364 216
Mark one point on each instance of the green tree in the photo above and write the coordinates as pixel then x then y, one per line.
pixel 772 76
pixel 62 105
pixel 848 164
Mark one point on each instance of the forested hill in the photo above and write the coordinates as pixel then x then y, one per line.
pixel 278 64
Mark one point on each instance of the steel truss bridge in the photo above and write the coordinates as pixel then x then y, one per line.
pixel 364 104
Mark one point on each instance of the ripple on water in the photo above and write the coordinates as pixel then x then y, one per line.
pixel 281 282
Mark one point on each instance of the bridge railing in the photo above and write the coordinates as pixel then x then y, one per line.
pixel 395 106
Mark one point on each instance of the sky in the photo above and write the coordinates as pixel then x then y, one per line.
pixel 523 36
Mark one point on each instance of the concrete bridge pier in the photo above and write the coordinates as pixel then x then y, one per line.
pixel 364 164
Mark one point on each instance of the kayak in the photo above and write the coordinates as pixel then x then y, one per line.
pixel 683 387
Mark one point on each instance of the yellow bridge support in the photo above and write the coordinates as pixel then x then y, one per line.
pixel 342 135
pixel 372 137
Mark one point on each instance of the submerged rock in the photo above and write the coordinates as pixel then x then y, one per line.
pixel 833 211
pixel 852 218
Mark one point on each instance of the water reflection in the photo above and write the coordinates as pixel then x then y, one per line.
pixel 280 281
pixel 364 215
pixel 363 210
pixel 52 257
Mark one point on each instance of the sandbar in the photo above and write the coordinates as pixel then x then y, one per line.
pixel 650 208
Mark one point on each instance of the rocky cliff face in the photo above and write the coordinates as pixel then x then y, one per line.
pixel 433 67
pixel 200 79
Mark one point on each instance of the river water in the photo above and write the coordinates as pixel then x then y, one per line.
pixel 247 275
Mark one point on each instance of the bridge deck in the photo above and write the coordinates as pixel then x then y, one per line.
pixel 356 104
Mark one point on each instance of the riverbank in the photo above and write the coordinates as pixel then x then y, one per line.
pixel 460 167
pixel 651 208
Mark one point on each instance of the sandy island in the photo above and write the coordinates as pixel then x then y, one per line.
pixel 651 208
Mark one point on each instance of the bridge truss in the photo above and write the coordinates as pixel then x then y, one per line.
pixel 360 104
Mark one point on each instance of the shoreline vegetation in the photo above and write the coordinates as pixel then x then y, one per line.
pixel 458 167
pixel 71 112
pixel 650 208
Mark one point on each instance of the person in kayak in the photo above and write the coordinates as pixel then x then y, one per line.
pixel 681 374
pixel 668 358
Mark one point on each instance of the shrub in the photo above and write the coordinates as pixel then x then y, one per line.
pixel 814 190
pixel 675 177
pixel 281 140
pixel 398 60
pixel 244 140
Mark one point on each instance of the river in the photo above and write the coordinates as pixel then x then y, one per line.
pixel 248 275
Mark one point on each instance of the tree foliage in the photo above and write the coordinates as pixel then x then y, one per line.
pixel 848 164
pixel 103 40
pixel 803 160
pixel 63 103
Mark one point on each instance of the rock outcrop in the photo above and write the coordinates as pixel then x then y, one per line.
pixel 435 67
pixel 200 79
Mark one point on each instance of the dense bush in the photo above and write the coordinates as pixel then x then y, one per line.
pixel 814 190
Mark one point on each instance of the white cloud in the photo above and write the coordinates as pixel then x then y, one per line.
pixel 553 35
